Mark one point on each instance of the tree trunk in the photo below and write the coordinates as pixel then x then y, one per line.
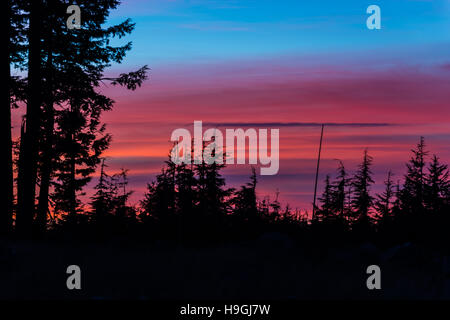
pixel 72 184
pixel 28 157
pixel 6 197
pixel 47 145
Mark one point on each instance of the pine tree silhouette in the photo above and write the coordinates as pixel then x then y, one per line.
pixel 245 201
pixel 69 66
pixel 437 185
pixel 125 215
pixel 79 147
pixel 275 207
pixel 103 199
pixel 383 202
pixel 412 195
pixel 338 193
pixel 326 199
pixel 362 200
pixel 158 208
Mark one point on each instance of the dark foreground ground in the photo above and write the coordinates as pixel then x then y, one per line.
pixel 271 267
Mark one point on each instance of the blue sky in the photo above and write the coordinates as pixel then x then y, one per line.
pixel 202 31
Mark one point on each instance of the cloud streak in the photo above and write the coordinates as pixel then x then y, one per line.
pixel 298 124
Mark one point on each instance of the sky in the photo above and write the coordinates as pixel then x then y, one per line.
pixel 290 65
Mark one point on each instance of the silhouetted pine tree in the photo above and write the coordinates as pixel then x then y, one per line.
pixel 264 209
pixel 159 204
pixel 125 214
pixel 326 200
pixel 362 200
pixel 412 194
pixel 102 200
pixel 52 30
pixel 396 206
pixel 245 202
pixel 275 207
pixel 110 211
pixel 188 217
pixel 383 201
pixel 339 192
pixel 79 146
pixel 287 216
pixel 437 186
pixel 213 195
pixel 75 64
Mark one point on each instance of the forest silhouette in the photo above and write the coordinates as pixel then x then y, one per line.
pixel 63 138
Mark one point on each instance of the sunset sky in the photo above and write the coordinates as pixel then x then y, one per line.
pixel 289 65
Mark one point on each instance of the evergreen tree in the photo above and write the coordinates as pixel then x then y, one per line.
pixel 80 144
pixel 326 200
pixel 264 208
pixel 338 192
pixel 188 217
pixel 75 64
pixel 412 194
pixel 213 196
pixel 245 202
pixel 110 210
pixel 287 215
pixel 362 200
pixel 6 197
pixel 275 205
pixel 437 186
pixel 383 202
pixel 125 214
pixel 47 127
pixel 103 199
pixel 159 203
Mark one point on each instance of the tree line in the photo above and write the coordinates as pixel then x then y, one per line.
pixel 413 207
pixel 191 202
pixel 62 140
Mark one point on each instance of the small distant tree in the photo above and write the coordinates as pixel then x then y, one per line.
pixel 186 185
pixel 81 142
pixel 264 208
pixel 159 203
pixel 362 200
pixel 102 200
pixel 326 199
pixel 412 194
pixel 383 201
pixel 287 215
pixel 213 196
pixel 437 186
pixel 339 191
pixel 125 215
pixel 275 206
pixel 245 204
